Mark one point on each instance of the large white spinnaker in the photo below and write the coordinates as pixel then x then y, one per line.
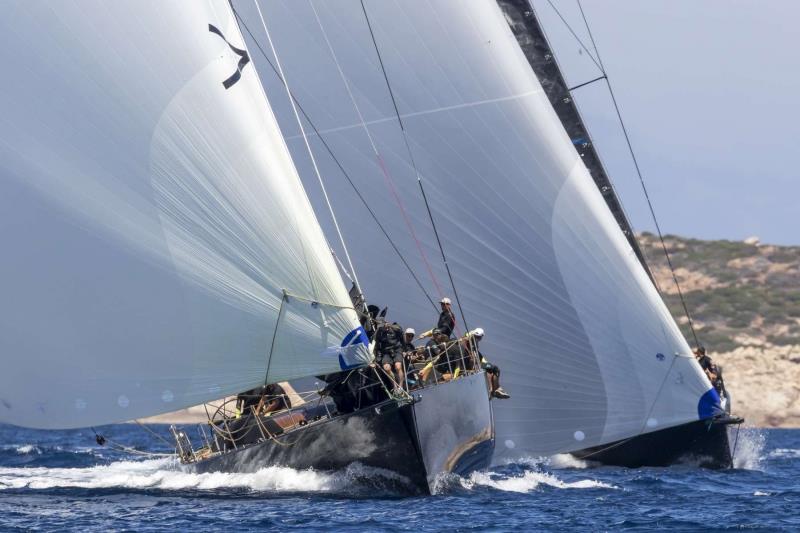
pixel 158 248
pixel 588 350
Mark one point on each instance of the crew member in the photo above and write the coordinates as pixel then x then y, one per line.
pixel 248 400
pixel 447 320
pixel 706 363
pixel 389 350
pixel 432 351
pixel 274 399
pixel 262 399
pixel 410 355
pixel 492 371
pixel 453 356
pixel 712 370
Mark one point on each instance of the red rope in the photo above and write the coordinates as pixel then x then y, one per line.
pixel 393 190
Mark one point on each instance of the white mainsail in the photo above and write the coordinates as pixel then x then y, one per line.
pixel 587 347
pixel 159 250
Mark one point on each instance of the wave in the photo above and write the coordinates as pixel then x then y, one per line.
pixel 784 453
pixel 23 449
pixel 528 481
pixel 165 474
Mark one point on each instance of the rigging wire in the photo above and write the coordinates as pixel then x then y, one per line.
pixel 413 164
pixel 639 174
pixel 599 63
pixel 381 162
pixel 643 258
pixel 336 161
pixel 102 440
pixel 308 147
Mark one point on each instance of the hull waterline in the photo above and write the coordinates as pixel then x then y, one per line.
pixel 448 428
pixel 706 443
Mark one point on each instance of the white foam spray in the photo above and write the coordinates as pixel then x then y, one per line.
pixel 528 481
pixel 749 451
pixel 164 474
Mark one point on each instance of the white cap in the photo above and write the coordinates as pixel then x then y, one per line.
pixel 445 301
pixel 477 332
pixel 410 331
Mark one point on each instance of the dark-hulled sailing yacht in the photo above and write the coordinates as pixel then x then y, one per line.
pixel 470 102
pixel 185 262
pixel 161 250
pixel 413 434
pixel 706 440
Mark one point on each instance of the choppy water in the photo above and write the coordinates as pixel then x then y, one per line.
pixel 63 480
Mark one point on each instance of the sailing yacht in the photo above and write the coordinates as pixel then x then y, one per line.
pixel 160 251
pixel 453 149
pixel 164 215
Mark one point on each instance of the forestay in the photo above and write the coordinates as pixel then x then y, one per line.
pixel 588 350
pixel 159 250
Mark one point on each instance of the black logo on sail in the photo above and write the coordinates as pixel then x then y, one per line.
pixel 244 59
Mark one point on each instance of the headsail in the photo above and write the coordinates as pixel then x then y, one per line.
pixel 589 350
pixel 158 247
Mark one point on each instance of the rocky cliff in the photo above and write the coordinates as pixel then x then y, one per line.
pixel 744 299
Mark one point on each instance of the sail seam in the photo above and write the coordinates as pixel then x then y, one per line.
pixel 308 146
pixel 381 163
pixel 431 111
pixel 413 163
pixel 338 163
pixel 639 174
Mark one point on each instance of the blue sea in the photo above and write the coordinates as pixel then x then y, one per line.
pixel 62 480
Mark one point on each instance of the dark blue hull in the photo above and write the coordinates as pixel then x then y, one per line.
pixel 704 442
pixel 448 428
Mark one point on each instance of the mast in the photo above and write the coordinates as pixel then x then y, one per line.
pixel 531 38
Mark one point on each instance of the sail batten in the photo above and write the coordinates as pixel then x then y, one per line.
pixel 152 220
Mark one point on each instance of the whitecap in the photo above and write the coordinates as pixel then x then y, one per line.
pixel 528 481
pixel 23 449
pixel 166 474
pixel 784 453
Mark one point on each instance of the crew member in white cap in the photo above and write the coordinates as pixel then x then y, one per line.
pixel 408 340
pixel 410 355
pixel 492 371
pixel 447 320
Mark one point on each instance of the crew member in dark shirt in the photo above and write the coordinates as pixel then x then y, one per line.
pixel 447 320
pixel 247 400
pixel 263 399
pixel 712 370
pixel 706 363
pixel 389 350
pixel 274 399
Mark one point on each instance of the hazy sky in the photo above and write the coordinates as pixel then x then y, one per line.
pixel 708 90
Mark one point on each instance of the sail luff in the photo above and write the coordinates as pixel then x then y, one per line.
pixel 524 23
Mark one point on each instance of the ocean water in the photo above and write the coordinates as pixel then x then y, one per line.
pixel 58 480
